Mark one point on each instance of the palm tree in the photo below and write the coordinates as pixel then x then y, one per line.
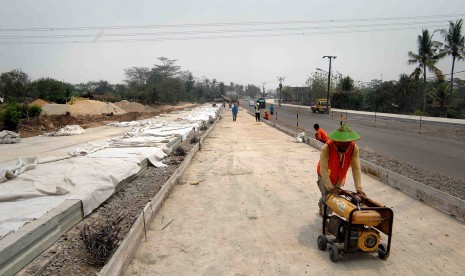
pixel 427 57
pixel 454 46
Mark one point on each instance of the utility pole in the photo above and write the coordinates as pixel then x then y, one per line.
pixel 263 93
pixel 280 79
pixel 329 81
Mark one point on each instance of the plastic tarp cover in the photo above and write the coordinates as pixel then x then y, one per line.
pixel 9 137
pixel 67 131
pixel 90 174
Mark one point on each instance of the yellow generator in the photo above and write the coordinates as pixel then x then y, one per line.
pixel 357 224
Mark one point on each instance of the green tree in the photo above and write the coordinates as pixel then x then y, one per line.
pixel 346 84
pixel 439 94
pixel 50 89
pixel 136 77
pixel 287 93
pixel 171 90
pixel 426 58
pixel 14 85
pixel 405 87
pixel 454 46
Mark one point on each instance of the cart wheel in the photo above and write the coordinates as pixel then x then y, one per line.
pixel 333 253
pixel 382 251
pixel 322 242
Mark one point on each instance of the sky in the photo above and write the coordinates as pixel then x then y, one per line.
pixel 256 42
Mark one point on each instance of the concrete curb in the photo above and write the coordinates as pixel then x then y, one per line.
pixel 447 203
pixel 128 247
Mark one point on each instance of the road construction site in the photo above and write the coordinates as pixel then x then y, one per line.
pixel 246 204
pixel 255 213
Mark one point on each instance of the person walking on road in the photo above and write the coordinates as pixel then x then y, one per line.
pixel 338 154
pixel 235 109
pixel 257 113
pixel 320 134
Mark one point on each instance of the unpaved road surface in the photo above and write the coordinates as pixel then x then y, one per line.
pixel 254 213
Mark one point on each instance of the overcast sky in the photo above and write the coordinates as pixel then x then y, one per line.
pixel 365 48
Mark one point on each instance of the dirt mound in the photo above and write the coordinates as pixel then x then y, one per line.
pixel 133 106
pixel 88 107
pixel 55 109
pixel 40 102
pixel 37 126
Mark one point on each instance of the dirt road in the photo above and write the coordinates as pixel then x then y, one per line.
pixel 253 212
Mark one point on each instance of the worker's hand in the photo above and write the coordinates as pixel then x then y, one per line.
pixel 335 190
pixel 360 192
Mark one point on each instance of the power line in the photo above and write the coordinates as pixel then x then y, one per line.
pixel 209 37
pixel 315 28
pixel 48 29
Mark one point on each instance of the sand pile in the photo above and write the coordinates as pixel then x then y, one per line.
pixel 40 102
pixel 55 109
pixel 133 107
pixel 89 107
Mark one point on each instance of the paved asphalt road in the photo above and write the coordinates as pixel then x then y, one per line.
pixel 430 153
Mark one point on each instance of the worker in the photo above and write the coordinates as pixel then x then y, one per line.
pixel 257 112
pixel 235 109
pixel 267 115
pixel 338 154
pixel 320 134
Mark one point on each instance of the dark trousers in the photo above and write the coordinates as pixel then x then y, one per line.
pixel 257 117
pixel 234 117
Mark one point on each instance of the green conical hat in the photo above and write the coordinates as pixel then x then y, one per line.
pixel 344 134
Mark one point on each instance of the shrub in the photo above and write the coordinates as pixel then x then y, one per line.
pixel 452 113
pixel 11 116
pixel 34 110
pixel 418 112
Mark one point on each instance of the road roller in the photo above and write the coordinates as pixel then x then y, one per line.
pixel 353 223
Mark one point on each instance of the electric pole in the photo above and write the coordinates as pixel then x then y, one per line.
pixel 329 81
pixel 263 93
pixel 280 79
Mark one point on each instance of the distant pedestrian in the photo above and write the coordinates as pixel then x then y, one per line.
pixel 267 115
pixel 320 134
pixel 257 113
pixel 235 109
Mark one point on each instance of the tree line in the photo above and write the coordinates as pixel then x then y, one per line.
pixel 164 83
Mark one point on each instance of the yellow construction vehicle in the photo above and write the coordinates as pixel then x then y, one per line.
pixel 320 106
pixel 357 224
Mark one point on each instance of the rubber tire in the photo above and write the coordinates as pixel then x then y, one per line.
pixel 381 254
pixel 333 253
pixel 322 242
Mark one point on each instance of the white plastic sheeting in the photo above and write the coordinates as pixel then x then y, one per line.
pixel 9 137
pixel 67 131
pixel 90 174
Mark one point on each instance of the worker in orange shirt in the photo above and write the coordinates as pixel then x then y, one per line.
pixel 267 115
pixel 338 154
pixel 320 134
